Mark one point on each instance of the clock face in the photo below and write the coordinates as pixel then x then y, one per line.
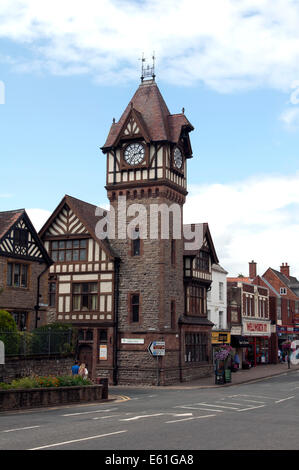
pixel 134 154
pixel 178 159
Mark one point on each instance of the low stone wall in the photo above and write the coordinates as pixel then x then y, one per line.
pixel 43 397
pixel 18 367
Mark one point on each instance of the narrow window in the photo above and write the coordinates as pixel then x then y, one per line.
pixel 52 294
pixel 135 307
pixel 136 243
pixel 173 246
pixel 172 314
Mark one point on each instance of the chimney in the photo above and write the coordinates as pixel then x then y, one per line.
pixel 252 270
pixel 285 269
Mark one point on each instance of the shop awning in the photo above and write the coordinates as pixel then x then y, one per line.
pixel 239 341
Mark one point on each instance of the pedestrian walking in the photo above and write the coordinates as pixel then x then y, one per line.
pixel 83 372
pixel 279 356
pixel 75 368
pixel 289 359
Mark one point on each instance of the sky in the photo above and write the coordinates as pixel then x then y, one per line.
pixel 68 68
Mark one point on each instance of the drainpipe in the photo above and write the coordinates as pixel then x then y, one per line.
pixel 116 302
pixel 36 307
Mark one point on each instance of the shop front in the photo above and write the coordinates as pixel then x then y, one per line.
pixel 258 335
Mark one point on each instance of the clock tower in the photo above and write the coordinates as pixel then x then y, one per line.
pixel 147 152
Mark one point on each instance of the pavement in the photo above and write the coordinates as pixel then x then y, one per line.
pixel 241 376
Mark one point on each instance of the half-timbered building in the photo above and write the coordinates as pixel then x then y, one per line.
pixel 81 281
pixel 23 261
pixel 136 293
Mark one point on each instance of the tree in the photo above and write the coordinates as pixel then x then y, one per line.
pixel 7 322
pixel 9 333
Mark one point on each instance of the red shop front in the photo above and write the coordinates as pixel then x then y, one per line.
pixel 258 351
pixel 258 336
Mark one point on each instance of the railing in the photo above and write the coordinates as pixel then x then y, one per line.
pixel 23 343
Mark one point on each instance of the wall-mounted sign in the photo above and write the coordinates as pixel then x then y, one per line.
pixel 2 353
pixel 103 352
pixel 132 341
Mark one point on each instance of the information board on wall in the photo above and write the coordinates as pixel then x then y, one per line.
pixel 103 352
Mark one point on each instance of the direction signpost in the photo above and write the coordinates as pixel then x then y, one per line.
pixel 157 349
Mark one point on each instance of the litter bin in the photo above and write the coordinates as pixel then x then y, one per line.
pixel 228 376
pixel 103 381
pixel 219 372
pixel 219 378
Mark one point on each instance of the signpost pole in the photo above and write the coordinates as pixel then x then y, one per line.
pixel 158 372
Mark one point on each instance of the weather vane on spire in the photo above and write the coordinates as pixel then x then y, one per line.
pixel 147 71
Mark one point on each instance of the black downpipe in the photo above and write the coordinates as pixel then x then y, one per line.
pixel 116 303
pixel 36 307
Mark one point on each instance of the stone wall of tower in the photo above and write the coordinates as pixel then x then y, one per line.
pixel 158 281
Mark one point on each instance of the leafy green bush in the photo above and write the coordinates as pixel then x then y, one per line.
pixel 7 322
pixel 9 333
pixel 45 381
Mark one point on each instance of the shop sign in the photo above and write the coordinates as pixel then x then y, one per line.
pixel 103 352
pixel 254 328
pixel 235 330
pixel 220 337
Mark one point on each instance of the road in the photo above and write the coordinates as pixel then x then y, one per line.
pixel 257 416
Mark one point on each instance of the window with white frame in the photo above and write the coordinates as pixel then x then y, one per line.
pixel 220 290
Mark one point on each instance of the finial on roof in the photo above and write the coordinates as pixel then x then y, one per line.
pixel 183 110
pixel 113 120
pixel 147 72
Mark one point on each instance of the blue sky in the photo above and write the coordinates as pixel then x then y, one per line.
pixel 66 75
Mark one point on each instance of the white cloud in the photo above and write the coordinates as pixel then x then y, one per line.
pixel 255 219
pixel 38 217
pixel 290 118
pixel 226 44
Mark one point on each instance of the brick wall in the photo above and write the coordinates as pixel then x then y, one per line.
pixel 23 299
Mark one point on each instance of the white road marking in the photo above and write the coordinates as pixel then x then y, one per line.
pixel 284 399
pixel 217 406
pixel 141 416
pixel 197 408
pixel 252 408
pixel 229 403
pixel 21 429
pixel 188 419
pixel 105 417
pixel 79 440
pixel 251 401
pixel 254 396
pixel 89 412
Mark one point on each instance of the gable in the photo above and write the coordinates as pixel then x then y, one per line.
pixel 21 241
pixel 66 223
